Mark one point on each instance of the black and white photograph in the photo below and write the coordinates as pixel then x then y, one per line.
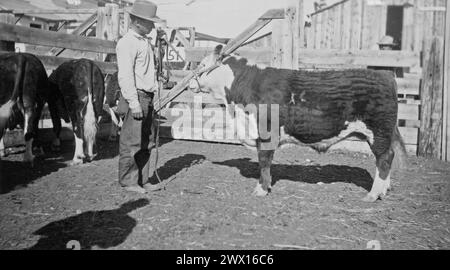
pixel 251 127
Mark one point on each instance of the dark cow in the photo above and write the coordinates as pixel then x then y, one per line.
pixel 24 90
pixel 81 85
pixel 316 109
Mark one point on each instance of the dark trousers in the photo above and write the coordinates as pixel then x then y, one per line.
pixel 137 138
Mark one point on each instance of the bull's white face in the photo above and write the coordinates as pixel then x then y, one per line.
pixel 216 81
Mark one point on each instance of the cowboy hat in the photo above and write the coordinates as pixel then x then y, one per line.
pixel 387 41
pixel 145 10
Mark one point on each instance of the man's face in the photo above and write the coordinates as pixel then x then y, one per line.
pixel 144 26
pixel 386 47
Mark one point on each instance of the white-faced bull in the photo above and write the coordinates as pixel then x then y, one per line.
pixel 81 85
pixel 316 109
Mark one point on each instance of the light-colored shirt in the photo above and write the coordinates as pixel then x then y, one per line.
pixel 136 67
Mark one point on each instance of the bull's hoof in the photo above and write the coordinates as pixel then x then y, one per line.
pixel 91 158
pixel 29 160
pixel 259 191
pixel 76 162
pixel 370 198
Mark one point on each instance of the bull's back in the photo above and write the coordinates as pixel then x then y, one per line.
pixel 23 67
pixel 320 105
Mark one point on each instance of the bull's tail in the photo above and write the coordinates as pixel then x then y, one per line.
pixel 90 123
pixel 398 145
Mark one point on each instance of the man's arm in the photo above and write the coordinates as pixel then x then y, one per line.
pixel 126 57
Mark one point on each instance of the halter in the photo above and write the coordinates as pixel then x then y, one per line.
pixel 199 71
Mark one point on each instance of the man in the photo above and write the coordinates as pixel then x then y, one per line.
pixel 138 83
pixel 387 43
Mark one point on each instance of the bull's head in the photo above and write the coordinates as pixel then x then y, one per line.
pixel 213 76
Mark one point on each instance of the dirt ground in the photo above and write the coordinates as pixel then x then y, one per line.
pixel 315 202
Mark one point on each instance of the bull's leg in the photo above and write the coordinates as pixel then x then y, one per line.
pixel 2 148
pixel 36 118
pixel 29 132
pixel 265 181
pixel 78 134
pixel 56 121
pixel 382 181
pixel 114 131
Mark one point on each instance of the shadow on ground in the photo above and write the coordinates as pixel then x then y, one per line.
pixel 175 166
pixel 14 173
pixel 102 229
pixel 308 174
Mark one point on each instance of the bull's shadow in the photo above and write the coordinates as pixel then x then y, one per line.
pixel 15 174
pixel 103 229
pixel 307 174
pixel 176 165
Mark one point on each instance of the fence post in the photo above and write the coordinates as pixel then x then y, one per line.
pixel 108 24
pixel 430 137
pixel 446 101
pixel 285 37
pixel 7 17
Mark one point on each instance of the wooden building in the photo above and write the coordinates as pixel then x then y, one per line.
pixel 356 24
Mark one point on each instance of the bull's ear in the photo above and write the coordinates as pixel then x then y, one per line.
pixel 218 49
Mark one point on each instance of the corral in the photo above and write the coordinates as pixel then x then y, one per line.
pixel 207 203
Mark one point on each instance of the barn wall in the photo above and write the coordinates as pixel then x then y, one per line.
pixel 355 24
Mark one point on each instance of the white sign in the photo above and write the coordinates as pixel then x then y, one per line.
pixel 175 56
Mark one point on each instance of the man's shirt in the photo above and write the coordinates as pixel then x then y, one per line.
pixel 136 67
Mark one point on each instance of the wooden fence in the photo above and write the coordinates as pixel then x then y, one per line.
pixel 287 33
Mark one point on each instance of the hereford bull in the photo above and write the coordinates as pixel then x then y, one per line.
pixel 24 90
pixel 81 85
pixel 315 109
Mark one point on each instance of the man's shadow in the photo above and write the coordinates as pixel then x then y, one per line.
pixel 103 229
pixel 312 174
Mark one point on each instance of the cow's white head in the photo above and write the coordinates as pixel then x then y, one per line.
pixel 213 75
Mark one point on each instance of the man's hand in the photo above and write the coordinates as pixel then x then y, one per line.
pixel 137 113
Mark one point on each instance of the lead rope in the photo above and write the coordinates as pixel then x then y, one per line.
pixel 158 116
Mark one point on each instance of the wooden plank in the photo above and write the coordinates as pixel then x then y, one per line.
pixel 360 57
pixel 408 112
pixel 54 39
pixel 108 25
pixel 345 26
pixel 336 43
pixel 446 91
pixel 318 32
pixel 52 62
pixel 356 25
pixel 250 31
pixel 79 31
pixel 410 135
pixel 290 36
pixel 408 29
pixel 273 14
pixel 409 86
pixel 418 30
pixel 7 18
pixel 311 58
pixel 325 26
pixel 431 99
pixel 54 11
